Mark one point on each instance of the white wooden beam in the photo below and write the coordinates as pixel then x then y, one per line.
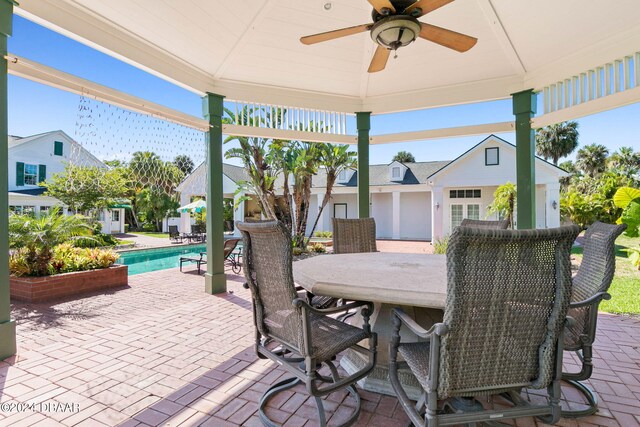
pixel 40 73
pixel 443 133
pixel 502 36
pixel 293 135
pixel 616 100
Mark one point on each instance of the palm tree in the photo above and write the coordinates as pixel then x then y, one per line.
pixel 556 141
pixel 592 159
pixel 504 201
pixel 334 159
pixel 39 235
pixel 404 157
pixel 626 161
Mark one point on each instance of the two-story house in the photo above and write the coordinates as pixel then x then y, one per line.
pixel 35 158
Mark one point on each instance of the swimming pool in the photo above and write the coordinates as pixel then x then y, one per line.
pixel 147 260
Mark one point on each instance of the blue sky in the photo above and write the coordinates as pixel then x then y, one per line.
pixel 36 108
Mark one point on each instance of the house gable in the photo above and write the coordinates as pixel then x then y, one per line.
pixel 491 162
pixel 36 158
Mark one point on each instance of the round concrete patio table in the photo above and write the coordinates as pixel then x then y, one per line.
pixel 415 282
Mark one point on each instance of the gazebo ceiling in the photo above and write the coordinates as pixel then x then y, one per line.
pixel 250 50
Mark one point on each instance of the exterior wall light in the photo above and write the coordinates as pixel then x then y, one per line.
pixel 554 204
pixel 437 205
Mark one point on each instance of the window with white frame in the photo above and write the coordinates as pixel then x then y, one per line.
pixel 457 215
pixel 30 174
pixel 395 172
pixel 473 211
pixel 342 176
pixel 115 216
pixel 460 211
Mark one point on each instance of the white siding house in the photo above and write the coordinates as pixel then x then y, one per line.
pixel 419 201
pixel 35 158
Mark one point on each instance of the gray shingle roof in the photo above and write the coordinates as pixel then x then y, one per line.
pixel 379 175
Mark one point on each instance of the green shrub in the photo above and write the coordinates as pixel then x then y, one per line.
pixel 318 247
pixel 323 234
pixel 440 245
pixel 299 251
pixel 96 241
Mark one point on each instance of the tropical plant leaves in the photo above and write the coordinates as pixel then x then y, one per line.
pixel 631 217
pixel 625 195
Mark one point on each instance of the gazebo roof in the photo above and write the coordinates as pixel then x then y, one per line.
pixel 250 51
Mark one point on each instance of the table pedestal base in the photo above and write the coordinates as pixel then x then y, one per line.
pixel 378 380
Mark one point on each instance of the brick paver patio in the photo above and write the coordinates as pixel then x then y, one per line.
pixel 162 352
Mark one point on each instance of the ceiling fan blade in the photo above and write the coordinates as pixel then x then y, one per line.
pixel 330 35
pixel 447 38
pixel 426 6
pixel 382 4
pixel 379 60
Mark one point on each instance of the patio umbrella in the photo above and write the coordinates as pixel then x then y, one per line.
pixel 197 206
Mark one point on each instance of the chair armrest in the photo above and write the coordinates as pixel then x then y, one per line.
pixel 438 328
pixel 594 299
pixel 346 307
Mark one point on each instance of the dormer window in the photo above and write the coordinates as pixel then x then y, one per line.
pixel 344 176
pixel 397 171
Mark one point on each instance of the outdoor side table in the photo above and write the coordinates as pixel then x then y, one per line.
pixel 415 282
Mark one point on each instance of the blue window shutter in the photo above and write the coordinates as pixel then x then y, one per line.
pixel 42 173
pixel 19 174
pixel 57 148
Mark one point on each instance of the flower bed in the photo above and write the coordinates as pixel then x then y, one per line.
pixel 46 288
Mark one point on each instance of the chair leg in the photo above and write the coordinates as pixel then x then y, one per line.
pixel 322 417
pixel 592 401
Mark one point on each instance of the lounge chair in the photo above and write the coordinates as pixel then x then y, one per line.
pixel 292 333
pixel 231 257
pixel 174 234
pixel 498 335
pixel 590 286
pixel 477 223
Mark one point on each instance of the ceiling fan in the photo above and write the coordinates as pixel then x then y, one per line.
pixel 395 24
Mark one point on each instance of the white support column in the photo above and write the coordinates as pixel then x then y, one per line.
pixel 396 214
pixel 552 199
pixel 238 214
pixel 437 213
pixel 185 217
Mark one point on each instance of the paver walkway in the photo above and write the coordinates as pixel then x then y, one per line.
pixel 162 352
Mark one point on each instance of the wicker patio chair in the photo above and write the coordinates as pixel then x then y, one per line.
pixel 174 234
pixel 477 223
pixel 349 236
pixel 508 293
pixel 354 235
pixel 590 286
pixel 294 334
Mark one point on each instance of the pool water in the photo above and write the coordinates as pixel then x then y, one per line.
pixel 148 260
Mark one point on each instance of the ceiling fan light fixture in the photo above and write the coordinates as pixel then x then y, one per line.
pixel 395 31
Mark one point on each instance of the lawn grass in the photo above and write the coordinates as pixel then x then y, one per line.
pixel 152 234
pixel 625 288
pixel 125 242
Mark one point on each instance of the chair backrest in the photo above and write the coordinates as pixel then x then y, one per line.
pixel 594 275
pixel 267 260
pixel 173 230
pixel 507 297
pixel 229 246
pixel 354 235
pixel 477 223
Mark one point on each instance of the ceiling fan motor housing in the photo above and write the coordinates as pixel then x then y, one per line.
pixel 395 31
